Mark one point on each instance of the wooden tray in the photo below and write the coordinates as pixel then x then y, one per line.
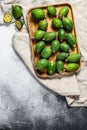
pixel 33 26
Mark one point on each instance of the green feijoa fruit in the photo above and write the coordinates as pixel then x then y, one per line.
pixel 46 52
pixel 19 24
pixel 38 14
pixel 61 35
pixel 51 67
pixel 62 56
pixel 41 64
pixel 39 46
pixel 71 39
pixel 38 35
pixel 60 66
pixel 49 36
pixel 65 47
pixel 72 67
pixel 68 24
pixel 55 45
pixel 56 23
pixel 74 58
pixel 43 25
pixel 63 11
pixel 16 11
pixel 51 11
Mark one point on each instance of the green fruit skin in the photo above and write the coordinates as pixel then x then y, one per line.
pixel 16 11
pixel 22 21
pixel 71 39
pixel 72 67
pixel 49 36
pixel 67 24
pixel 38 14
pixel 56 23
pixel 62 56
pixel 55 45
pixel 39 46
pixel 74 58
pixel 51 10
pixel 60 66
pixel 61 35
pixel 51 67
pixel 38 35
pixel 41 64
pixel 43 25
pixel 46 52
pixel 64 11
pixel 65 47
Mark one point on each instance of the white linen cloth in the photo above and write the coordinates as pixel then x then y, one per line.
pixel 74 88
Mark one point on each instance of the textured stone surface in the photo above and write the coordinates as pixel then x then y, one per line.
pixel 24 103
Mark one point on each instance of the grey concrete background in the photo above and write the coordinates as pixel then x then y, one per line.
pixel 26 104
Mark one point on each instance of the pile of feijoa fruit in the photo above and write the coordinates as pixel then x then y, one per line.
pixel 17 14
pixel 60 41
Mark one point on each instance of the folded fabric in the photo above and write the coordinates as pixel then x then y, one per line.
pixel 74 88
